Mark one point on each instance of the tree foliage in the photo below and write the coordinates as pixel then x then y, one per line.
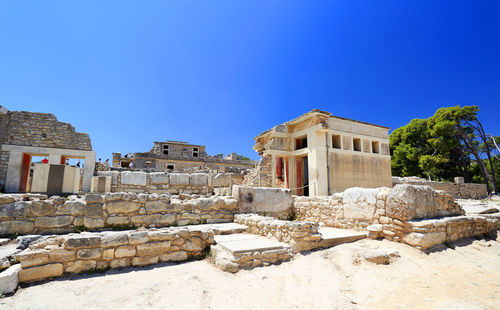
pixel 450 143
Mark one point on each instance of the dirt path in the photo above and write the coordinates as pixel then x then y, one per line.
pixel 467 277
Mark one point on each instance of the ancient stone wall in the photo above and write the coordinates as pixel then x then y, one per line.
pixel 4 162
pixel 457 191
pixel 53 256
pixel 276 202
pixel 43 130
pixel 164 182
pixel 262 174
pixel 35 213
pixel 302 236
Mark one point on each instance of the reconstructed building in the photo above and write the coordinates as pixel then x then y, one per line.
pixel 179 156
pixel 317 154
pixel 27 134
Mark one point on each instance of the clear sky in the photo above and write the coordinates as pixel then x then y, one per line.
pixel 220 72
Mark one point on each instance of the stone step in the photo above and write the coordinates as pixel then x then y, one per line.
pixel 221 228
pixel 334 236
pixel 246 251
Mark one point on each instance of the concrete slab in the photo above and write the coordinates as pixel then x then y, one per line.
pixel 334 236
pixel 244 243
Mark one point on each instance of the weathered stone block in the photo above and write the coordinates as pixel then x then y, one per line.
pixel 21 227
pixel 108 254
pixel 156 206
pixel 75 208
pixel 144 260
pixel 137 237
pixel 40 272
pixel 114 238
pixel 159 177
pixel 5 199
pixel 81 265
pixel 194 244
pixel 221 180
pixel 117 220
pixel 9 279
pixel 174 256
pixel 93 197
pixel 133 178
pixel 119 206
pixel 89 253
pixel 424 240
pixel 121 262
pixel 153 248
pixel 93 209
pixel 42 208
pixel 93 223
pixel 15 209
pixel 33 258
pixel 179 179
pixel 125 251
pixel 272 201
pixel 61 255
pixel 56 221
pixel 198 179
pixel 83 240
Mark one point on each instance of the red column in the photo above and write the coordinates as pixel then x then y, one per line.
pixel 25 171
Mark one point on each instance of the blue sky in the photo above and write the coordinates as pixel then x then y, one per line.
pixel 220 72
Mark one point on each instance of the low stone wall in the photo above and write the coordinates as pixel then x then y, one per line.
pixel 457 191
pixel 276 202
pixel 53 256
pixel 361 207
pixel 163 182
pixel 38 214
pixel 302 236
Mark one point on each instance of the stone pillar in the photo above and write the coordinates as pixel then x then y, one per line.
pixel 55 159
pixel 88 172
pixel 459 180
pixel 14 172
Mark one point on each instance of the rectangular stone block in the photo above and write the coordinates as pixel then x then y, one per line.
pixel 117 220
pixel 198 179
pixel 83 241
pixel 145 260
pixel 153 248
pixel 122 207
pixel 93 209
pixel 133 178
pixel 108 254
pixel 89 253
pixel 179 179
pixel 125 251
pixel 156 206
pixel 121 262
pixel 21 227
pixel 40 272
pixel 114 238
pixel 80 266
pixel 52 222
pixel 159 177
pixel 61 255
pixel 221 180
pixel 33 258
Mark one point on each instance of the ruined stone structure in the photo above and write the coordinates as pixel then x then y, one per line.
pixel 317 154
pixel 26 134
pixel 181 156
pixel 458 190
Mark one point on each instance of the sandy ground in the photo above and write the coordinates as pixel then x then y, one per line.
pixel 466 277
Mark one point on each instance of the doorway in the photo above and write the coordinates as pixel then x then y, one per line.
pixel 303 176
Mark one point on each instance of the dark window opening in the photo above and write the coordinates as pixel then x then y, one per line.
pixel 44 135
pixel 300 143
pixel 336 144
pixel 170 167
pixel 357 144
pixel 375 148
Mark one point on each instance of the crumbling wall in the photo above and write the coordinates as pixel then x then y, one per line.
pixel 302 236
pixel 457 191
pixel 261 175
pixel 35 213
pixel 276 202
pixel 43 130
pixel 53 256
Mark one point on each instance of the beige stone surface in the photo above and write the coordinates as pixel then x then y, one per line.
pixel 40 272
pixel 463 278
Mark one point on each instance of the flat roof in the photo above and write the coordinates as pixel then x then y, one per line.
pixel 176 142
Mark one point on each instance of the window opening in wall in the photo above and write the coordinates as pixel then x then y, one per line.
pixel 195 152
pixel 165 149
pixel 357 144
pixel 282 171
pixel 336 141
pixel 300 143
pixel 375 148
pixel 170 167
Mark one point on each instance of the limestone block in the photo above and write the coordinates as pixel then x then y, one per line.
pixel 159 235
pixel 61 255
pixel 133 178
pixel 194 244
pixel 15 209
pixel 174 256
pixel 112 174
pixel 113 196
pixel 159 177
pixel 108 254
pixel 51 222
pixel 9 279
pixel 93 223
pixel 93 209
pixel 112 238
pixel 125 251
pixel 93 197
pixel 121 262
pixel 156 206
pixel 4 263
pixel 21 227
pixel 263 200
pixel 357 194
pixel 153 248
pixel 80 266
pixel 198 179
pixel 83 240
pixel 359 211
pixel 144 260
pixel 221 180
pixel 5 199
pixel 121 207
pixel 138 237
pixel 117 220
pixel 40 272
pixel 42 208
pixel 32 258
pixel 162 219
pixel 179 179
pixel 89 253
pixel 72 207
pixel 424 240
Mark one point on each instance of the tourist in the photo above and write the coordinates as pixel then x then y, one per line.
pixel 78 163
pixel 67 161
pixel 45 160
pixel 107 162
pixel 131 165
